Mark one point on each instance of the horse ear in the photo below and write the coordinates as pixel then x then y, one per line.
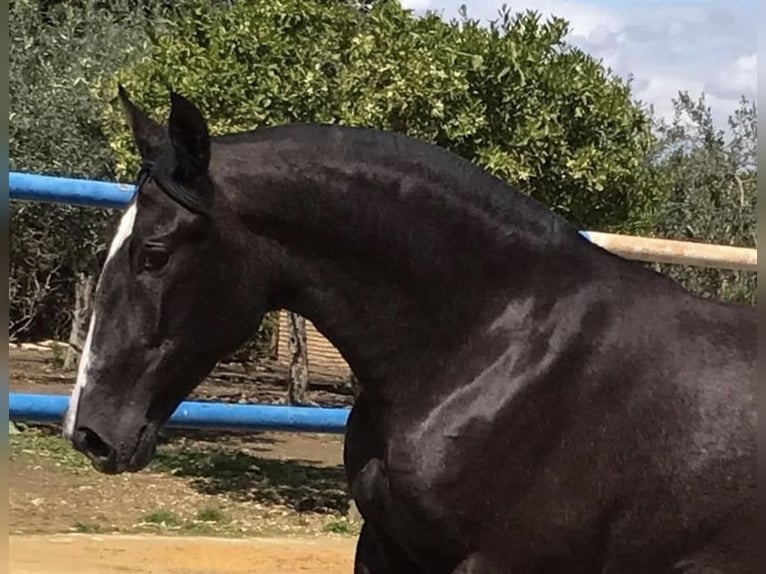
pixel 147 134
pixel 189 136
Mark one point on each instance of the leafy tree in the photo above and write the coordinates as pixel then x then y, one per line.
pixel 56 51
pixel 514 98
pixel 712 183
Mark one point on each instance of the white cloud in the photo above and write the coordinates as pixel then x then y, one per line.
pixel 416 4
pixel 741 75
pixel 669 46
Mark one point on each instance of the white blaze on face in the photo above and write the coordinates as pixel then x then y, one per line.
pixel 123 233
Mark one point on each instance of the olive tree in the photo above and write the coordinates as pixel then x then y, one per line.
pixel 711 177
pixel 58 50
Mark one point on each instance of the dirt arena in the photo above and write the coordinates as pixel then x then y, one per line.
pixel 214 502
pixel 87 554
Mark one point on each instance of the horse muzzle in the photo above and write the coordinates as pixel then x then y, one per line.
pixel 116 450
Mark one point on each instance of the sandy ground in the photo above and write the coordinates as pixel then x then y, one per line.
pixel 277 493
pixel 88 554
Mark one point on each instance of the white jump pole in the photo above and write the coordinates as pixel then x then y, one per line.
pixel 650 249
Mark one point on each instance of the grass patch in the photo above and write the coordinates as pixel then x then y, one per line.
pixel 162 517
pixel 203 461
pixel 44 443
pixel 87 527
pixel 210 515
pixel 340 526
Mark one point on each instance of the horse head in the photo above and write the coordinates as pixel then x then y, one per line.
pixel 170 299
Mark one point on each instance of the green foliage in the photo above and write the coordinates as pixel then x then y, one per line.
pixel 87 527
pixel 712 183
pixel 209 514
pixel 513 98
pixel 56 51
pixel 162 517
pixel 339 526
pixel 49 446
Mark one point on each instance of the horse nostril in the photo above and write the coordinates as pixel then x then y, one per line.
pixel 89 442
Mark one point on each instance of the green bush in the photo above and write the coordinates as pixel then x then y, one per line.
pixel 513 98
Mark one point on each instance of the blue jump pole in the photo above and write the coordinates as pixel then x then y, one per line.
pixel 82 192
pixel 41 408
pixel 85 192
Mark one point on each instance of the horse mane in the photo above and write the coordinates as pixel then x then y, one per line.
pixel 470 185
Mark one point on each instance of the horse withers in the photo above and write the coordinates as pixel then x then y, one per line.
pixel 530 403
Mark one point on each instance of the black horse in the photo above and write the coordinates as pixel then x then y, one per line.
pixel 530 402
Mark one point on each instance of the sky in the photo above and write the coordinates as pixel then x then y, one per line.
pixel 666 45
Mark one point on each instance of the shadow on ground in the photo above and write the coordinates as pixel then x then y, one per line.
pixel 246 477
pixel 254 440
pixel 230 464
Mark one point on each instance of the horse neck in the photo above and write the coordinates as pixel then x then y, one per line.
pixel 392 258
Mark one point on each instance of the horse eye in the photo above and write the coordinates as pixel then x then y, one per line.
pixel 154 259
